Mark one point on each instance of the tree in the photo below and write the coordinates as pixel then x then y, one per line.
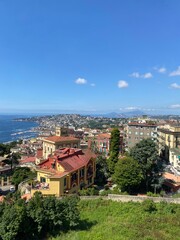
pixel 146 154
pixel 20 174
pixel 114 149
pixel 37 218
pixel 101 170
pixel 13 220
pixel 128 174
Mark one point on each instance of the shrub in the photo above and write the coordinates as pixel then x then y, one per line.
pixel 149 206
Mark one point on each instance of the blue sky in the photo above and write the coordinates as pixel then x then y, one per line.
pixel 89 55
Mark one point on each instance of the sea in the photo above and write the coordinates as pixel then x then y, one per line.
pixel 12 130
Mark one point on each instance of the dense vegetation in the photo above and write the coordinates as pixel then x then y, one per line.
pixel 114 149
pixel 128 175
pixel 37 218
pixel 105 220
pixel 20 174
pixel 146 154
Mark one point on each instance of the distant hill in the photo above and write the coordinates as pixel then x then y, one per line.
pixel 134 113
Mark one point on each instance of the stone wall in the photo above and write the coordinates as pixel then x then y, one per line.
pixel 130 198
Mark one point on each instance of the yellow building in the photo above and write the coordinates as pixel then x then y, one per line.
pixel 52 143
pixel 168 137
pixel 66 172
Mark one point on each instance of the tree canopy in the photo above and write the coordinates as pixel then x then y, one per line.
pixel 33 220
pixel 114 149
pixel 146 154
pixel 128 174
pixel 20 174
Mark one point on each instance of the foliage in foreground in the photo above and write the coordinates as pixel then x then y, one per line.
pixel 102 219
pixel 37 218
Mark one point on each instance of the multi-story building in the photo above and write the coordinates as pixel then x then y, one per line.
pixel 60 140
pixel 102 142
pixel 174 157
pixel 137 131
pixel 66 172
pixel 168 138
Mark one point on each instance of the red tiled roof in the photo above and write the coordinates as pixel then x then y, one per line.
pixel 104 135
pixel 69 161
pixel 28 160
pixel 60 139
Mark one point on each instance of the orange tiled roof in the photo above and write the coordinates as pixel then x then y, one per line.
pixel 104 135
pixel 60 139
pixel 28 160
pixel 170 176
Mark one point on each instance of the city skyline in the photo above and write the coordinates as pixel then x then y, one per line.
pixel 90 56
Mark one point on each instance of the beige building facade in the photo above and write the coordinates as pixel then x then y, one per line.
pixel 168 138
pixel 137 131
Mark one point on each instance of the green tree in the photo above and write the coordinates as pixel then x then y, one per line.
pixel 20 174
pixel 101 170
pixel 12 221
pixel 114 149
pixel 4 149
pixel 128 174
pixel 146 153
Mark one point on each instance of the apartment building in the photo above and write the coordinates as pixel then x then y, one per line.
pixel 168 138
pixel 60 140
pixel 137 131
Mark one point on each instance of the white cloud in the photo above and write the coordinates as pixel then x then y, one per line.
pixel 80 81
pixel 93 84
pixel 162 70
pixel 175 85
pixel 175 73
pixel 138 75
pixel 122 84
pixel 175 106
pixel 132 108
pixel 147 75
pixel 135 75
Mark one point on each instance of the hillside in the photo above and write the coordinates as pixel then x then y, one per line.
pixel 105 220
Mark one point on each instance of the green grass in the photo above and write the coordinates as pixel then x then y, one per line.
pixel 107 220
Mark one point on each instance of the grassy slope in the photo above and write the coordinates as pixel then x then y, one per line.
pixel 107 220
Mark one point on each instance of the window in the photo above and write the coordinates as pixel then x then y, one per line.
pixel 42 179
pixel 64 182
pixel 129 132
pixel 136 133
pixel 89 170
pixel 82 172
pixel 74 177
pixel 141 133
